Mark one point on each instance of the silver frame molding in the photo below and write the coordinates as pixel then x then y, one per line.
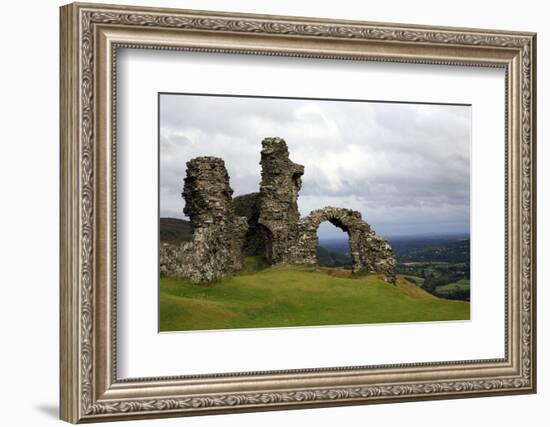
pixel 90 36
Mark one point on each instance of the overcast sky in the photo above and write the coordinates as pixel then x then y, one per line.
pixel 405 167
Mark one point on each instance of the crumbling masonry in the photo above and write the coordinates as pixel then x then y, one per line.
pixel 266 223
pixel 216 248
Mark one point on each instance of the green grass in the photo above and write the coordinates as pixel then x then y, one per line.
pixel 461 285
pixel 291 296
pixel 416 279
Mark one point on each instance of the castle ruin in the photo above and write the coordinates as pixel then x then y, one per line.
pixel 266 223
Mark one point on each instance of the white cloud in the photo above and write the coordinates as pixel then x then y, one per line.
pixel 404 166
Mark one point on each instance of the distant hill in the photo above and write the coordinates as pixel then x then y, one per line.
pixel 439 264
pixel 175 231
pixel 445 248
pixel 432 250
pixel 328 258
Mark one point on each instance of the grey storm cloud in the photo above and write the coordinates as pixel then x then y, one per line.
pixel 405 167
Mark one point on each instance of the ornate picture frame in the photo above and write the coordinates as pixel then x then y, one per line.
pixel 90 37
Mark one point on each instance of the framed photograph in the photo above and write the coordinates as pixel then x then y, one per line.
pixel 266 212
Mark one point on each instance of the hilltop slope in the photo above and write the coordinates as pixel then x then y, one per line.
pixel 290 296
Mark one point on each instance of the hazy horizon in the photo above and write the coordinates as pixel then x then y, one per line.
pixel 342 235
pixel 405 167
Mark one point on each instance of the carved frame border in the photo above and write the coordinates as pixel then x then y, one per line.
pixel 90 390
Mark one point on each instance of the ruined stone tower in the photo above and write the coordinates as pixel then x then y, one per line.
pixel 266 223
pixel 278 200
pixel 276 231
pixel 216 248
pixel 207 194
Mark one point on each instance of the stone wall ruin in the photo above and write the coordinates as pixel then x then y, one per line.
pixel 219 235
pixel 258 239
pixel 369 252
pixel 266 223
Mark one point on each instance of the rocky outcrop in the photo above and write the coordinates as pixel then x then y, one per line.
pixel 266 223
pixel 216 246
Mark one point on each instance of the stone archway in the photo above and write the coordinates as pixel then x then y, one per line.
pixel 347 220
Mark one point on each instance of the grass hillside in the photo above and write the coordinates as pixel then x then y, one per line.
pixel 462 286
pixel 293 296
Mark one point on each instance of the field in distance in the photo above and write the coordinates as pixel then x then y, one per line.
pixel 439 264
pixel 259 297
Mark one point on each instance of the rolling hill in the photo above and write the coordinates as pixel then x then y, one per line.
pixel 280 296
pixel 175 231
